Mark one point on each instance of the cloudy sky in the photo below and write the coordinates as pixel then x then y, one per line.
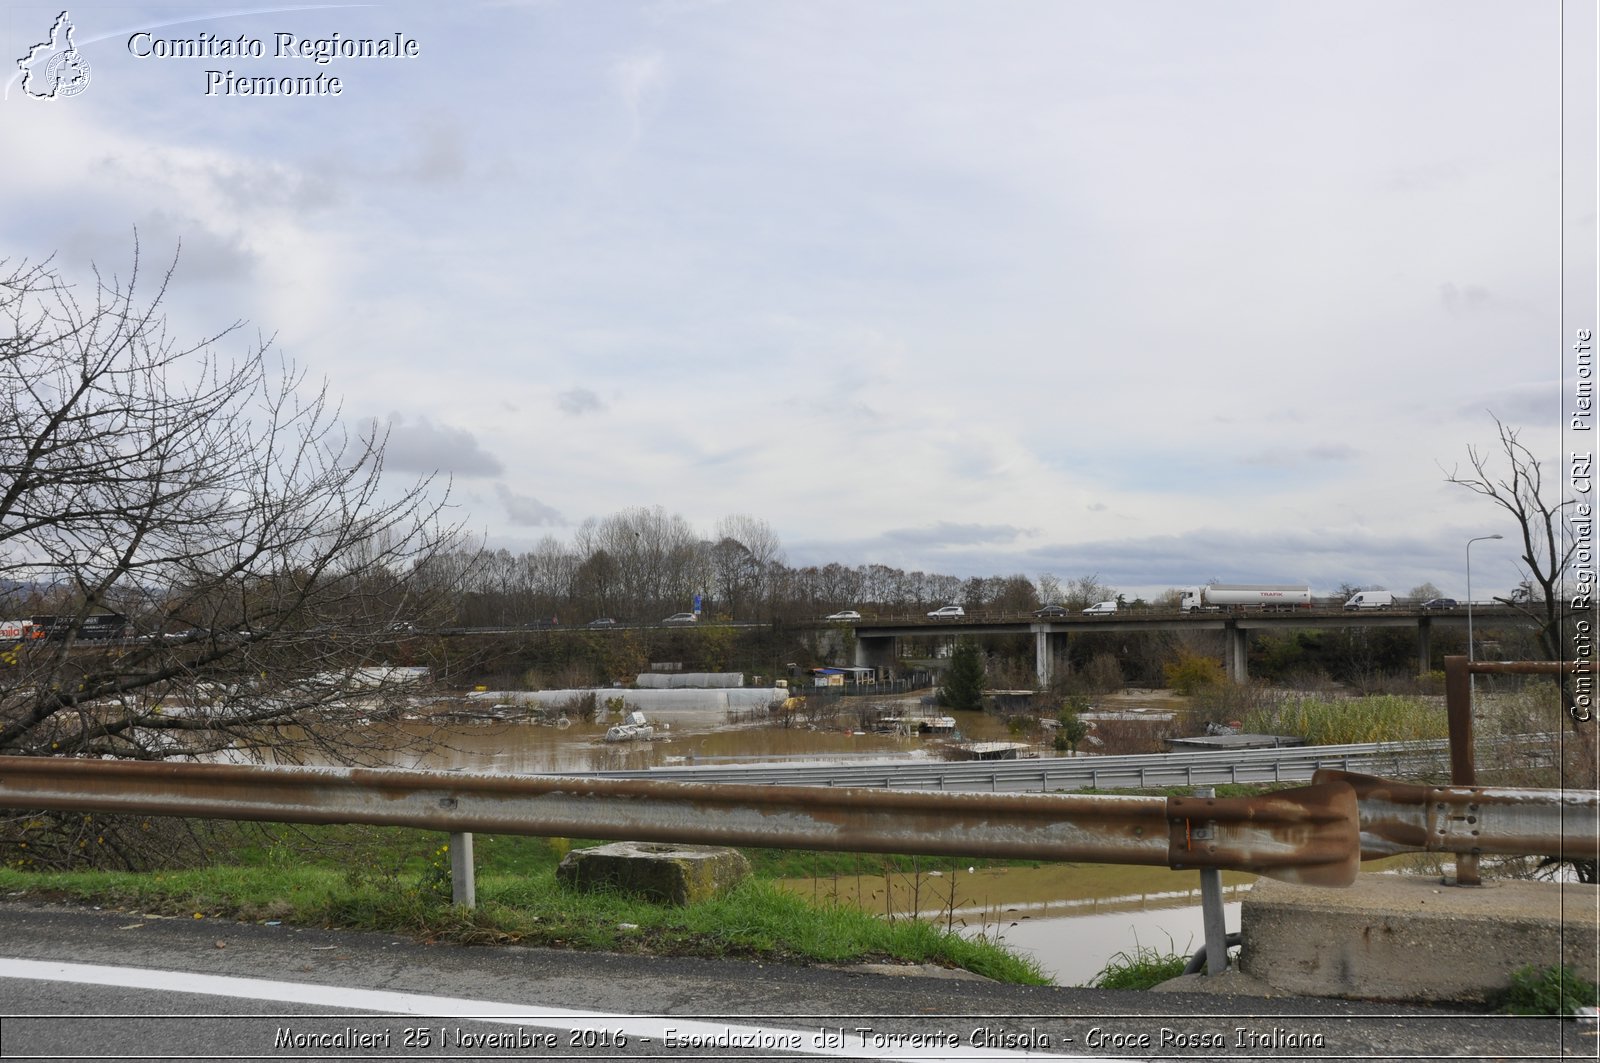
pixel 1159 291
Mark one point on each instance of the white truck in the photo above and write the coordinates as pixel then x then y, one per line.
pixel 1371 600
pixel 1218 596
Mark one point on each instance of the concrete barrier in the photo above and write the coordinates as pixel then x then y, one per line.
pixel 1412 938
pixel 670 873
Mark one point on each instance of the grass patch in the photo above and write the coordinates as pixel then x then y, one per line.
pixel 1142 968
pixel 1341 721
pixel 1548 991
pixel 397 880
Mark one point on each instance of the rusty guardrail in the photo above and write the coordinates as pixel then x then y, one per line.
pixel 1398 817
pixel 1314 834
pixel 1458 672
pixel 1307 834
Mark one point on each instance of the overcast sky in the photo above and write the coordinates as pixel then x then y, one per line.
pixel 1160 291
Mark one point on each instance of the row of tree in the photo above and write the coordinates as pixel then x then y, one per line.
pixel 219 500
pixel 643 563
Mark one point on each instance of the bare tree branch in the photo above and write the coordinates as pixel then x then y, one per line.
pixel 219 504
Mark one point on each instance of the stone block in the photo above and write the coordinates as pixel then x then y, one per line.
pixel 1413 938
pixel 659 871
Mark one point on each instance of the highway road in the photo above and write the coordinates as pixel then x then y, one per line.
pixel 86 984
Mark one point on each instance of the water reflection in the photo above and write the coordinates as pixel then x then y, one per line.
pixel 1070 918
pixel 532 745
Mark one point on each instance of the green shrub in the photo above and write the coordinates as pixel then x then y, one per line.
pixel 1548 991
pixel 1191 674
pixel 1142 968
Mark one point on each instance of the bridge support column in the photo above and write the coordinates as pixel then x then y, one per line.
pixel 1424 646
pixel 1049 650
pixel 875 651
pixel 1235 641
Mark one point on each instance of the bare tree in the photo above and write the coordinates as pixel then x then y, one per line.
pixel 1547 542
pixel 261 561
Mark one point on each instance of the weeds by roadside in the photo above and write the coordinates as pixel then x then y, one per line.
pixel 398 881
pixel 1548 991
pixel 1142 968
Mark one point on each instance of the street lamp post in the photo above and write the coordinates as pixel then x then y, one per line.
pixel 1479 539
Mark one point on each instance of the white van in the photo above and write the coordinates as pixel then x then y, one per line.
pixel 1371 600
pixel 1101 609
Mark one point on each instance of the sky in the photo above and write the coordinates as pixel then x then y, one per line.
pixel 1156 291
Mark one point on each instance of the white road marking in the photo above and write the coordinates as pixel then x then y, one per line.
pixel 691 1033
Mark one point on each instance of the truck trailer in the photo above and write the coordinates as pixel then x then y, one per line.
pixel 17 631
pixel 1218 596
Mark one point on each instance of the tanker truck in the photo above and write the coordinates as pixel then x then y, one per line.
pixel 1219 596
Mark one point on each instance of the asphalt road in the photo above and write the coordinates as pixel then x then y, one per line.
pixel 84 984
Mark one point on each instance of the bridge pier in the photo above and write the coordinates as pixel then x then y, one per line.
pixel 1424 646
pixel 875 651
pixel 1049 647
pixel 1235 660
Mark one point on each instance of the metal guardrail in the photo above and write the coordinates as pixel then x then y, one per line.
pixel 1314 834
pixel 1458 672
pixel 1048 774
pixel 1305 835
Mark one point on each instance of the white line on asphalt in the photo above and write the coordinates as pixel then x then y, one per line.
pixel 690 1034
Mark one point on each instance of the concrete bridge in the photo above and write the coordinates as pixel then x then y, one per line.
pixel 875 638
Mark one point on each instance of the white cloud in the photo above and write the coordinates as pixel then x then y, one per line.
pixel 1034 285
pixel 420 446
pixel 525 510
pixel 579 401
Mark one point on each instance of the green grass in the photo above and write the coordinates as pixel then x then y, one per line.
pixel 1142 968
pixel 1548 991
pixel 397 880
pixel 1339 721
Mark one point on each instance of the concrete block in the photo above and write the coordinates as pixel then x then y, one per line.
pixel 1412 938
pixel 659 871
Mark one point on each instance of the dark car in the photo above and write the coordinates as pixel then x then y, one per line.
pixel 1436 605
pixel 604 621
pixel 1052 610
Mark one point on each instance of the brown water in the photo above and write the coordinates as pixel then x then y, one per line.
pixel 1071 918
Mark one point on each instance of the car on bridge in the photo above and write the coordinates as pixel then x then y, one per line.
pixel 1439 605
pixel 947 612
pixel 1052 610
pixel 843 614
pixel 1101 609
pixel 681 618
pixel 602 621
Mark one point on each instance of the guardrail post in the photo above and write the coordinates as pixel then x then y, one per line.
pixel 463 883
pixel 1211 910
pixel 1463 769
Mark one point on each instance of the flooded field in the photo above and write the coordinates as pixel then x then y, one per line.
pixel 1071 918
pixel 441 738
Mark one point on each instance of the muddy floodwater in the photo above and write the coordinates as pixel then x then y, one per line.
pixel 1071 918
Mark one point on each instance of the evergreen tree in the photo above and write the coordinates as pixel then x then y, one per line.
pixel 1072 730
pixel 963 680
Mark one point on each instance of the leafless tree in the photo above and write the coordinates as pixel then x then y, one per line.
pixel 262 561
pixel 1542 531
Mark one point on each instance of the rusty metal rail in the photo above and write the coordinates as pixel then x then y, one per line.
pixel 1399 817
pixel 1458 672
pixel 1315 834
pixel 1307 834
